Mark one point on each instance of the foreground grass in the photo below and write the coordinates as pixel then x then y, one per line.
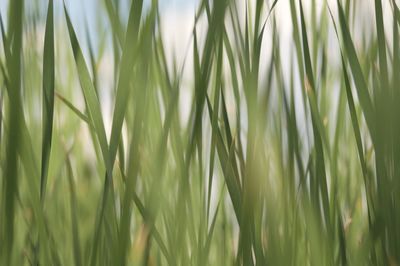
pixel 287 157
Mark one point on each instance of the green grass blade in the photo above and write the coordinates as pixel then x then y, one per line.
pixel 359 80
pixel 89 92
pixel 114 19
pixel 126 68
pixel 74 213
pixel 214 121
pixel 11 172
pixel 233 187
pixel 316 121
pixel 48 98
pixel 95 114
pixel 380 29
pixel 75 110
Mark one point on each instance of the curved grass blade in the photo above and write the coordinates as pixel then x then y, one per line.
pixel 269 14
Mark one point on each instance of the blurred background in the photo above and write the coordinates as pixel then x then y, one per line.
pixel 196 132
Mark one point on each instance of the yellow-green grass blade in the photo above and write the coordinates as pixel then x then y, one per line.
pixel 75 110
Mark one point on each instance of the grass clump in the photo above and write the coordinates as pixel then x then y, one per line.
pixel 286 152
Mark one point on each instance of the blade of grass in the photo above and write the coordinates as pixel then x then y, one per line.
pixel 89 92
pixel 48 98
pixel 115 22
pixel 11 172
pixel 29 162
pixel 359 80
pixel 127 64
pixel 94 110
pixel 74 211
pixel 227 169
pixel 381 43
pixel 214 121
pixel 75 110
pixel 316 121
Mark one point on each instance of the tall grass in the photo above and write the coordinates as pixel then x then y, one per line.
pixel 290 153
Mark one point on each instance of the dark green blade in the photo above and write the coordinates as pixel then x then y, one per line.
pixel 48 97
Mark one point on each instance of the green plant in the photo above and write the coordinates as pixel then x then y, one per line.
pixel 289 156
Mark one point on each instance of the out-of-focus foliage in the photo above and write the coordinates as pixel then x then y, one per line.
pixel 255 149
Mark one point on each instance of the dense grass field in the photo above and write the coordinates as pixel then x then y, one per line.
pixel 247 147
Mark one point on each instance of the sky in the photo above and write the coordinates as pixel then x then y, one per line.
pixel 87 8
